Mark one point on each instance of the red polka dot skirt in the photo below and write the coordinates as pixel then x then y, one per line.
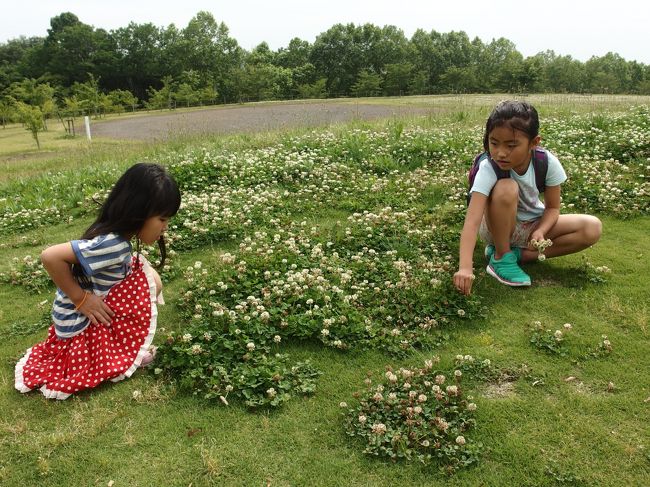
pixel 60 367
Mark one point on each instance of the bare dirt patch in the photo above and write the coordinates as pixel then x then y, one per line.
pixel 247 119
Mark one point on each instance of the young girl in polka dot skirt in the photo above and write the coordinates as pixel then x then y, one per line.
pixel 104 312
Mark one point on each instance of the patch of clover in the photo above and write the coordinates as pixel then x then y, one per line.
pixel 416 414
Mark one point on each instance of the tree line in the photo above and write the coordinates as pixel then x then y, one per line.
pixel 78 69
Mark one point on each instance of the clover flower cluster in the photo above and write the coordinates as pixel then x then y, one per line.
pixel 416 414
pixel 541 246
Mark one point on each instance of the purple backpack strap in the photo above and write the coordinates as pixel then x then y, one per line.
pixel 540 165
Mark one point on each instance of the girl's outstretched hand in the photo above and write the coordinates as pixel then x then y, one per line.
pixel 96 310
pixel 463 281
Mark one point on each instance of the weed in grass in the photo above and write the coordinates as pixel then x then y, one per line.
pixel 548 340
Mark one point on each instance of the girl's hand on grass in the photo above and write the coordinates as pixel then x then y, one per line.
pixel 96 310
pixel 463 281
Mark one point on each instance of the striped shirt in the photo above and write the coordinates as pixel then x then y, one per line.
pixel 106 260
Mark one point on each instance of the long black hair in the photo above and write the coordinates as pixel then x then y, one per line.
pixel 143 191
pixel 518 115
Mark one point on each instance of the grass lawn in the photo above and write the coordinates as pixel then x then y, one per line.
pixel 573 418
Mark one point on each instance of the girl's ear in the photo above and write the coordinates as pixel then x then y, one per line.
pixel 535 142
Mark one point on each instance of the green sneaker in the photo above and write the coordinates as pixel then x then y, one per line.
pixel 506 271
pixel 489 252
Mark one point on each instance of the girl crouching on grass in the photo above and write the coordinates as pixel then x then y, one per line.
pixel 505 207
pixel 104 312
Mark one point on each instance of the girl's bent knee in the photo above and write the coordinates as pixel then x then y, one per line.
pixel 593 230
pixel 505 190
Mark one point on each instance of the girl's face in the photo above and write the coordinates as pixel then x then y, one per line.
pixel 510 148
pixel 152 229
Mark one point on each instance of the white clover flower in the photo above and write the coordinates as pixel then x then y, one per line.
pixel 362 419
pixel 440 379
pixel 558 334
pixel 198 264
pixel 325 332
pixel 460 440
pixel 187 337
pixel 461 312
pixel 451 390
pixel 229 388
pixel 378 396
pixel 271 392
pixel 567 326
pixel 425 443
pixel 457 373
pixel 196 349
pixel 471 406
pixel 137 394
pixel 379 428
pixel 343 404
pixel 277 338
pixel 422 398
pixel 250 346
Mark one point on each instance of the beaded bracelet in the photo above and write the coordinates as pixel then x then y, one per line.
pixel 77 306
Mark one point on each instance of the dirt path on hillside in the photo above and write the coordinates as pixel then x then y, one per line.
pixel 245 119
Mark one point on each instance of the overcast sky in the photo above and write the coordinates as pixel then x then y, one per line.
pixel 578 28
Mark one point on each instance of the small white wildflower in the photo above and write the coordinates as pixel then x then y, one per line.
pixel 277 338
pixel 460 440
pixel 250 346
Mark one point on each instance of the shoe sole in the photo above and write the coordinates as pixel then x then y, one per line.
pixel 491 271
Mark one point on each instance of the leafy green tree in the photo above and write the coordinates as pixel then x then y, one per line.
pixel 14 56
pixel 73 49
pixel 141 62
pixel 316 89
pixel 368 84
pixel 419 83
pixel 261 54
pixel 89 95
pixel 72 107
pixel 162 98
pixel 186 95
pixel 6 112
pixel 32 118
pixel 266 82
pixel 206 47
pixel 124 99
pixel 396 78
pixel 295 55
